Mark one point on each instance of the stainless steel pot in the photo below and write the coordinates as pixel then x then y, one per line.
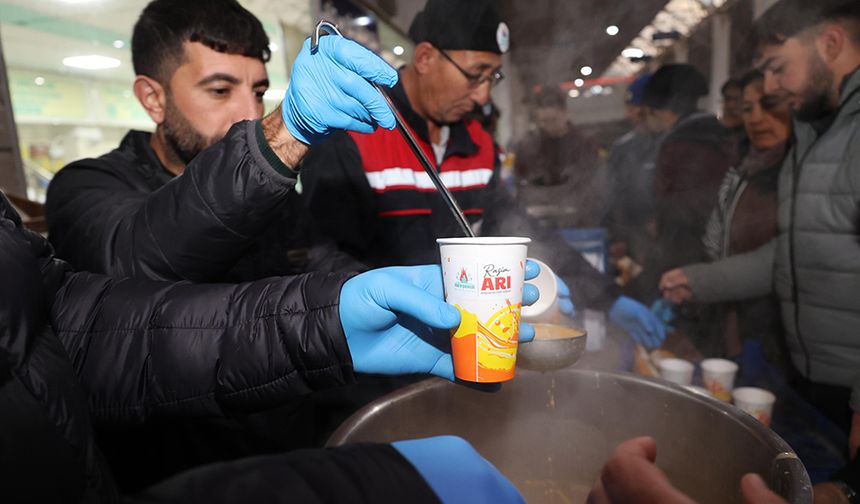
pixel 550 433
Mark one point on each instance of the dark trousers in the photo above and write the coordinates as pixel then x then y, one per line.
pixel 831 400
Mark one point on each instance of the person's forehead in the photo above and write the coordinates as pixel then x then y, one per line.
pixel 200 61
pixel 477 58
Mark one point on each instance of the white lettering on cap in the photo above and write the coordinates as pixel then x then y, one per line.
pixel 503 38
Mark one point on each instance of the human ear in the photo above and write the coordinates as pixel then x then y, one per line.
pixel 423 57
pixel 830 42
pixel 152 97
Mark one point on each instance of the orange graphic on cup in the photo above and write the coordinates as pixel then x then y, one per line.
pixel 486 352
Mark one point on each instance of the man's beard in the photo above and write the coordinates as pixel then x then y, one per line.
pixel 181 136
pixel 815 99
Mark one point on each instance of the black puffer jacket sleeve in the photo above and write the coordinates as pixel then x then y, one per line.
pixel 195 227
pixel 356 474
pixel 143 348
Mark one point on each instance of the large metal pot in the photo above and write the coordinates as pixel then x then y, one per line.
pixel 550 433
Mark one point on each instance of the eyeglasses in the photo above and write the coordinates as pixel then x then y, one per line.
pixel 475 80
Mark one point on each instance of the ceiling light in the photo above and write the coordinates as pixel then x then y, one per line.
pixel 363 21
pixel 119 44
pixel 573 93
pixel 612 30
pixel 39 81
pixel 273 47
pixel 398 50
pixel 633 52
pixel 579 83
pixel 91 62
pixel 597 89
pixel 586 70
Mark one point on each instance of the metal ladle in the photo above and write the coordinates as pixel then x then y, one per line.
pixel 410 139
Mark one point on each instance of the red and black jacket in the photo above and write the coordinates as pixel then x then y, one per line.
pixel 371 196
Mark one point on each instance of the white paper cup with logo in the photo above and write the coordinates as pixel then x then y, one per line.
pixel 677 371
pixel 484 278
pixel 718 376
pixel 755 401
pixel 546 309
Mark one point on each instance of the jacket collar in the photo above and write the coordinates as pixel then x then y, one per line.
pixel 137 144
pixel 459 144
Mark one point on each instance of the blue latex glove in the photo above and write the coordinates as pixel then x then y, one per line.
pixel 640 322
pixel 456 472
pixel 397 322
pixel 664 310
pixel 329 90
pixel 564 302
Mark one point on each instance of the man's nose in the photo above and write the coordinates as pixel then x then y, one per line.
pixel 247 109
pixel 481 94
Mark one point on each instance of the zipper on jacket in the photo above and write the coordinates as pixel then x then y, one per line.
pixel 795 292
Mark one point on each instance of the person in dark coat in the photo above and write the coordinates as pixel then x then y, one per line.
pixel 691 162
pixel 183 203
pixel 78 349
pixel 558 172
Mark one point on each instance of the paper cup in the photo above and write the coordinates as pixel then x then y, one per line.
pixel 546 309
pixel 483 278
pixel 755 401
pixel 719 377
pixel 677 371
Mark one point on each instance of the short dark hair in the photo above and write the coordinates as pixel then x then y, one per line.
pixel 676 87
pixel 165 25
pixel 550 96
pixel 788 18
pixel 750 77
pixel 731 84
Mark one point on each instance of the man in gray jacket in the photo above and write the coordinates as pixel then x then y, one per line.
pixel 810 52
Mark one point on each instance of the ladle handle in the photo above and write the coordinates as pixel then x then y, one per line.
pixel 783 479
pixel 407 135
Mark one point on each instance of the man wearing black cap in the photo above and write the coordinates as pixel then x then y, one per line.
pixel 372 196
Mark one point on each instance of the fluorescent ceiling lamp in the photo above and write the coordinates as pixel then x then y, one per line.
pixel 91 62
pixel 573 93
pixel 363 21
pixel 612 30
pixel 633 52
pixel 579 83
pixel 398 50
pixel 586 70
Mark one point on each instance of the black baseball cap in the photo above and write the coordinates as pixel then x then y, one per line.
pixel 470 25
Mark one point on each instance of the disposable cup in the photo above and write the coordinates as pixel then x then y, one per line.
pixel 719 377
pixel 677 371
pixel 755 401
pixel 546 309
pixel 483 278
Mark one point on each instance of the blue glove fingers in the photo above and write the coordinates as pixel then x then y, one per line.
pixel 527 332
pixel 444 368
pixel 563 289
pixel 357 59
pixel 530 294
pixel 373 107
pixel 532 270
pixel 418 303
pixel 565 305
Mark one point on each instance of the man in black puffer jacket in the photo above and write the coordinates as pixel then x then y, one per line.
pixel 136 350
